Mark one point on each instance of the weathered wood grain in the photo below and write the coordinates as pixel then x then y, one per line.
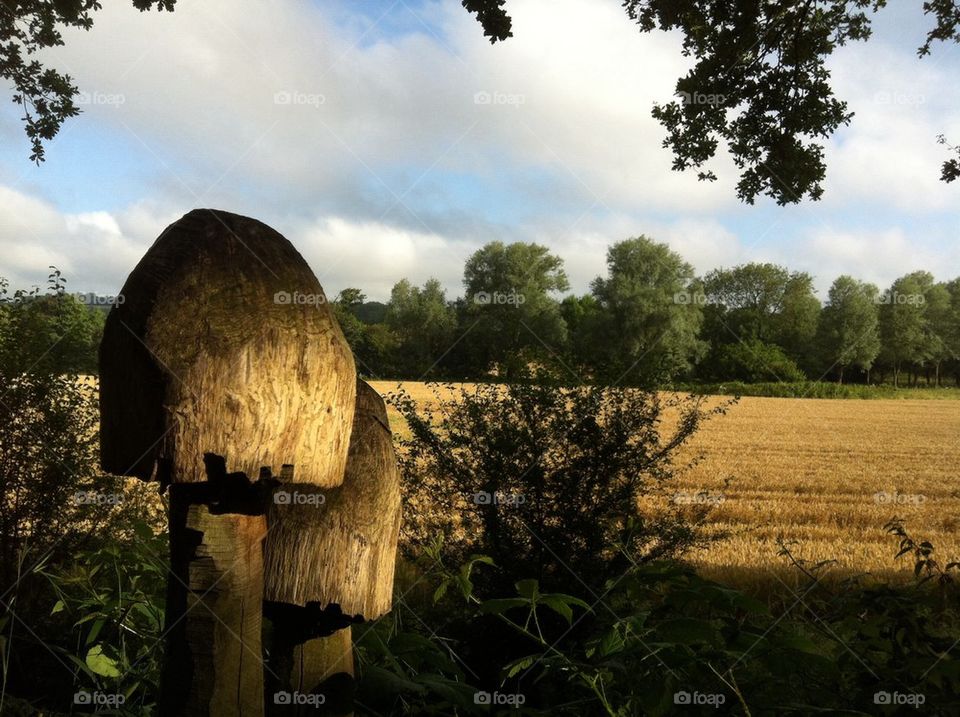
pixel 214 665
pixel 200 357
pixel 341 551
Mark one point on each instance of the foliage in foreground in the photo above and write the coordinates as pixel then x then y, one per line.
pixel 662 640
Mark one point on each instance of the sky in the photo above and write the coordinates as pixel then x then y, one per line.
pixel 389 139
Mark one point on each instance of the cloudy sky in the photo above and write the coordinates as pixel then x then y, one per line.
pixel 389 139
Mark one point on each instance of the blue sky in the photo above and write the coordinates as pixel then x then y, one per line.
pixel 380 164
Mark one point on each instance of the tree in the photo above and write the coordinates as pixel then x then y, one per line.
pixel 940 327
pixel 510 318
pixel 849 325
pixel 765 302
pixel 424 325
pixel 759 81
pixel 651 315
pixel 904 337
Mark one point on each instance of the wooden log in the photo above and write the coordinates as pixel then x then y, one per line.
pixel 224 343
pixel 214 665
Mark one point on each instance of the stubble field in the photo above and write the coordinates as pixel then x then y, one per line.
pixel 824 475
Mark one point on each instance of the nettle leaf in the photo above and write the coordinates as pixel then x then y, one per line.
pixel 498 606
pixel 524 663
pixel 529 589
pixel 561 604
pixel 101 663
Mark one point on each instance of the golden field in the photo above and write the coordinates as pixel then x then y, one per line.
pixel 826 474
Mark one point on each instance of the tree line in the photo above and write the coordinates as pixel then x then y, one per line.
pixel 651 320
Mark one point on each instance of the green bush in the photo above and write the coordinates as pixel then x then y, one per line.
pixel 545 479
pixel 752 361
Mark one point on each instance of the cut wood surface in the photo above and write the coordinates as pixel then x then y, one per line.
pixel 214 614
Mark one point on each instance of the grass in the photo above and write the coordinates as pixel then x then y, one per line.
pixel 809 471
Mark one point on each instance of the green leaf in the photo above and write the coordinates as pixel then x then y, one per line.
pixel 529 589
pixel 523 663
pixel 100 663
pixel 501 605
pixel 58 607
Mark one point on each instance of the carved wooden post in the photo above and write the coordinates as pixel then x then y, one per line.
pixel 330 557
pixel 223 347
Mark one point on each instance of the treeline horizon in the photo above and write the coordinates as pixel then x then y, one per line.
pixel 650 321
pixel 653 321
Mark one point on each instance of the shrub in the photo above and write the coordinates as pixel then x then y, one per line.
pixel 546 480
pixel 754 360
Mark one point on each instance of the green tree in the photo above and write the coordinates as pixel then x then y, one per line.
pixel 849 332
pixel 940 328
pixel 904 337
pixel 651 313
pixel 765 302
pixel 511 319
pixel 424 325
